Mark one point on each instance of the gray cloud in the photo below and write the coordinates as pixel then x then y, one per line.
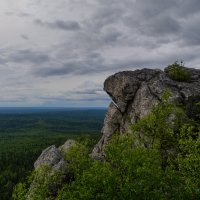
pixel 86 92
pixel 191 31
pixel 59 24
pixel 99 37
pixel 111 36
pixel 160 26
pixel 187 8
pixel 25 37
pixel 80 65
pixel 9 13
pixel 68 68
pixel 18 13
pixel 24 14
pixel 23 56
pixel 90 65
pixel 88 68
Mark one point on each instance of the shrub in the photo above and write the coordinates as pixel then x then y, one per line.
pixel 132 170
pixel 43 183
pixel 126 173
pixel 188 160
pixel 78 159
pixel 19 192
pixel 177 72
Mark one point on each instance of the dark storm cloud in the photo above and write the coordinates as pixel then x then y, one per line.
pixel 59 24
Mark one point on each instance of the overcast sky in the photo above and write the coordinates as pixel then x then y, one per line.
pixel 58 53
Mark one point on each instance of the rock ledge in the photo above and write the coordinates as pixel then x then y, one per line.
pixel 135 92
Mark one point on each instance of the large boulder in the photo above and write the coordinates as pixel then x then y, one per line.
pixel 135 92
pixel 66 146
pixel 51 156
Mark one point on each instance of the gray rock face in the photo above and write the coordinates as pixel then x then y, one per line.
pixel 135 92
pixel 111 125
pixel 65 147
pixel 50 156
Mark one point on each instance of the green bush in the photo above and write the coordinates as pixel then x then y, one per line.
pixel 126 173
pixel 43 183
pixel 19 192
pixel 177 72
pixel 78 159
pixel 133 166
pixel 188 160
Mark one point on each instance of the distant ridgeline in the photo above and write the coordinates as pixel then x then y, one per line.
pixel 149 147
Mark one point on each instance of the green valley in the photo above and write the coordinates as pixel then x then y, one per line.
pixel 23 136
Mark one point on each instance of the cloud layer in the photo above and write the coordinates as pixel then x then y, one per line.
pixel 59 24
pixel 50 50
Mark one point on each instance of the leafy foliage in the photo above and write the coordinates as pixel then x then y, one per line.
pixel 189 159
pixel 24 136
pixel 43 183
pixel 177 72
pixel 160 129
pixel 159 160
pixel 20 191
pixel 127 173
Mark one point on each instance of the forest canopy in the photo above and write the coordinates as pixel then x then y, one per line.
pixel 158 160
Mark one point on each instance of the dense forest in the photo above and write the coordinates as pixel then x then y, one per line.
pixel 24 134
pixel 160 159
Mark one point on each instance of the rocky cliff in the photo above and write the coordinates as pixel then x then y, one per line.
pixel 135 92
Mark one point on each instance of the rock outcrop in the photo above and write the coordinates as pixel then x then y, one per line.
pixel 135 92
pixel 65 147
pixel 52 157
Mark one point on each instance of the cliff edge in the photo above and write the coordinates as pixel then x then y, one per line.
pixel 134 93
